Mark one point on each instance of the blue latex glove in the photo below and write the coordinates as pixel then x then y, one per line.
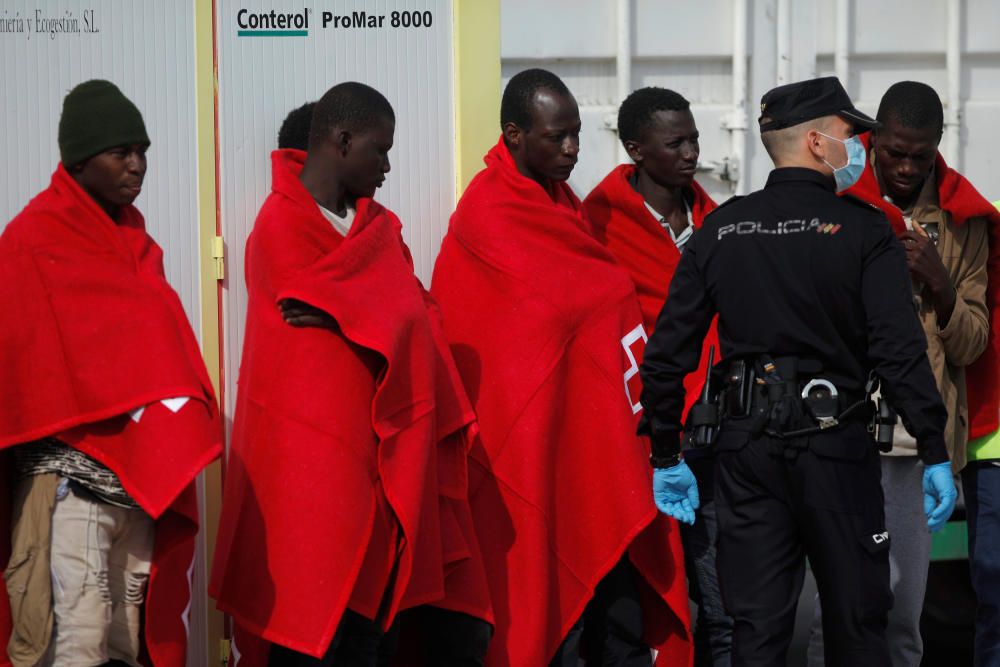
pixel 675 492
pixel 939 495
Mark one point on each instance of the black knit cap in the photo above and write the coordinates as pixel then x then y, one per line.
pixel 97 116
pixel 799 102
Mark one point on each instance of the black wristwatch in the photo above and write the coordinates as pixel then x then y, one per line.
pixel 665 461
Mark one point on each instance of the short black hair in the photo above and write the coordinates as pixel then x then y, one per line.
pixel 519 95
pixel 294 132
pixel 912 104
pixel 352 106
pixel 636 112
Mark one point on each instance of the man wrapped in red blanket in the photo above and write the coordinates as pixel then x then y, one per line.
pixel 951 235
pixel 106 411
pixel 345 494
pixel 547 335
pixel 645 213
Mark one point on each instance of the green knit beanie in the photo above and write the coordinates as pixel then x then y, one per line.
pixel 97 116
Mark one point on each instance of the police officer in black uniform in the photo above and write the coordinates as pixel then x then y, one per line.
pixel 815 307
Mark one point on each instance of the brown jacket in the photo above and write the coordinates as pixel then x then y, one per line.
pixel 28 577
pixel 964 250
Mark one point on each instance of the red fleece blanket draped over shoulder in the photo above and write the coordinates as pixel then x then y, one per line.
pixel 90 331
pixel 961 199
pixel 339 434
pixel 624 225
pixel 547 335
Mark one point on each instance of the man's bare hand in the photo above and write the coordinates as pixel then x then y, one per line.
pixel 927 269
pixel 300 314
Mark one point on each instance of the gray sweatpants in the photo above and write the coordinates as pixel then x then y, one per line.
pixel 909 558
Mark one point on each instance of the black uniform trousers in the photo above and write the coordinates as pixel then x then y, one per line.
pixel 781 501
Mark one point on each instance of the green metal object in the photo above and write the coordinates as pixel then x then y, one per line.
pixel 951 543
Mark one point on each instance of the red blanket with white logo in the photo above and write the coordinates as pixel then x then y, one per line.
pixel 961 199
pixel 547 335
pixel 347 444
pixel 624 225
pixel 92 339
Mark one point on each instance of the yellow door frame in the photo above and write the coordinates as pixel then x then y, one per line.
pixel 211 266
pixel 477 85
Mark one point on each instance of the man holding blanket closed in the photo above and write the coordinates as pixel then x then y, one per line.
pixel 547 334
pixel 105 406
pixel 345 498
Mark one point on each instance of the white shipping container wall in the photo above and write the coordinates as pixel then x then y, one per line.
pixel 147 50
pixel 262 78
pixel 690 47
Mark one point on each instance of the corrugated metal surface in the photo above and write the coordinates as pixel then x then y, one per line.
pixel 147 50
pixel 262 78
pixel 688 47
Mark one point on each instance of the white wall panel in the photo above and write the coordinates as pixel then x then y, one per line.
pixel 147 50
pixel 707 80
pixel 533 29
pixel 262 78
pixel 670 28
pixel 871 76
pixel 592 81
pixel 687 46
pixel 891 26
pixel 982 19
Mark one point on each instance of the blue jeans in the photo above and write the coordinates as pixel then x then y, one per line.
pixel 713 634
pixel 981 483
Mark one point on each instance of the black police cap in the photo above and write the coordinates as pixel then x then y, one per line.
pixel 799 102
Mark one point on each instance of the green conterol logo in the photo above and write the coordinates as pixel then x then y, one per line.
pixel 272 23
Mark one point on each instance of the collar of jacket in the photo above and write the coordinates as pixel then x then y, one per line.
pixel 799 174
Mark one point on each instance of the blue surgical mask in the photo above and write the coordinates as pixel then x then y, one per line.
pixel 849 174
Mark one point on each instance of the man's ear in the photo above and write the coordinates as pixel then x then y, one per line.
pixel 633 150
pixel 342 140
pixel 512 134
pixel 816 147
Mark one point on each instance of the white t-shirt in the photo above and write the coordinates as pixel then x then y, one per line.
pixel 341 224
pixel 679 239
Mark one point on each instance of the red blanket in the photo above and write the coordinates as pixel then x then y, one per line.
pixel 90 331
pixel 624 225
pixel 961 199
pixel 333 494
pixel 547 335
